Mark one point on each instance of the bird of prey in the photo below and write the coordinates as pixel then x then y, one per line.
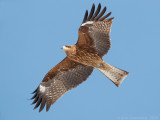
pixel 93 43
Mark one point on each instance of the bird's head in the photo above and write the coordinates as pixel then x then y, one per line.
pixel 69 49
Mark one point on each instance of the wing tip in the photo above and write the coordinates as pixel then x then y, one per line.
pixel 39 100
pixel 96 16
pixel 48 106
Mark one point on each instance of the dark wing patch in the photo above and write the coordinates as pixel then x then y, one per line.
pixel 100 34
pixel 63 77
pixel 94 31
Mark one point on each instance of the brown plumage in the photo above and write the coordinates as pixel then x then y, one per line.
pixel 93 43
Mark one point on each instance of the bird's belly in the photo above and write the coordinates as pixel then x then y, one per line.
pixel 87 59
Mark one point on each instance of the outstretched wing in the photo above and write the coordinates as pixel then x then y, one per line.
pixel 61 78
pixel 94 31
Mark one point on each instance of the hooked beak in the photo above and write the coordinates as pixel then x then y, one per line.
pixel 62 47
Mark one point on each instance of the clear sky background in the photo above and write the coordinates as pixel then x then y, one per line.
pixel 31 35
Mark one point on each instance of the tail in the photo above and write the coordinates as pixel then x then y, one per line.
pixel 116 75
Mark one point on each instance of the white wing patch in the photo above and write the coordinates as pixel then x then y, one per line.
pixel 88 22
pixel 42 88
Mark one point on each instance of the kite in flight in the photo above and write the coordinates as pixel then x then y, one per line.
pixel 93 43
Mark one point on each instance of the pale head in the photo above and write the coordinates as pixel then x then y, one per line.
pixel 69 49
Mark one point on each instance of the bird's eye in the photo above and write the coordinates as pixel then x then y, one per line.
pixel 67 46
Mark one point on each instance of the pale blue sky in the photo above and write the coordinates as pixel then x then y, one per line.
pixel 31 35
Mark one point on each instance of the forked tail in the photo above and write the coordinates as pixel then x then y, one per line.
pixel 116 75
